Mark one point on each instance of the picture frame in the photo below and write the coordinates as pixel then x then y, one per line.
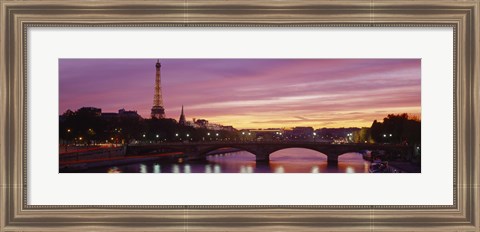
pixel 17 16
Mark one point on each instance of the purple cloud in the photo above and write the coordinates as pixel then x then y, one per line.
pixel 249 92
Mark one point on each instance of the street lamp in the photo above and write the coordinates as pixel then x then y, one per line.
pixel 350 137
pixel 314 134
pixel 68 137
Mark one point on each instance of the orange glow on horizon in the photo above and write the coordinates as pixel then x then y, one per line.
pixel 337 120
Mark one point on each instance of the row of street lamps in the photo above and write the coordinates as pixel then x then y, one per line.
pixel 177 135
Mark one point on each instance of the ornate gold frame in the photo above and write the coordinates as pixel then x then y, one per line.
pixel 17 16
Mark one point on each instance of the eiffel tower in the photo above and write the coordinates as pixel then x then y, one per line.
pixel 158 111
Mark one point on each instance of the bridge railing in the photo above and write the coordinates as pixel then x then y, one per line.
pixel 268 142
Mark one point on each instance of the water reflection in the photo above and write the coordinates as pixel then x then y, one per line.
pixel 279 169
pixel 176 168
pixel 156 168
pixel 143 168
pixel 208 168
pixel 187 168
pixel 246 169
pixel 293 160
pixel 217 169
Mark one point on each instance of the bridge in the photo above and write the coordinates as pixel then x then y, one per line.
pixel 263 150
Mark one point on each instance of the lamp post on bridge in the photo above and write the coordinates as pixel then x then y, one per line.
pixel 387 137
pixel 68 139
pixel 350 137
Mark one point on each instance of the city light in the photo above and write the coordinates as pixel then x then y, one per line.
pixel 68 130
pixel 188 135
pixel 176 135
pixel 157 136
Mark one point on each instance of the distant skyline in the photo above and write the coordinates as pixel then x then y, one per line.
pixel 249 93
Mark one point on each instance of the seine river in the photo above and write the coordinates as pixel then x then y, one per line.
pixel 293 160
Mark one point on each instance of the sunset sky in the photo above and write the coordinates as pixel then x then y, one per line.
pixel 249 93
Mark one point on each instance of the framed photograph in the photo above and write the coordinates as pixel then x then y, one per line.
pixel 301 132
pixel 240 116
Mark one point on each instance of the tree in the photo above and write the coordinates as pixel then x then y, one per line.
pixel 397 128
pixel 363 135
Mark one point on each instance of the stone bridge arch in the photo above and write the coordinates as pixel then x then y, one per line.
pixel 331 152
pixel 321 151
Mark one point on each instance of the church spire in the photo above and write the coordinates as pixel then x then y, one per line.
pixel 182 120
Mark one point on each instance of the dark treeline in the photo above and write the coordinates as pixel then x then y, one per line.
pixel 395 129
pixel 86 127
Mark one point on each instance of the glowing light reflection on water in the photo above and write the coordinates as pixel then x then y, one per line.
pixel 156 168
pixel 293 160
pixel 143 168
